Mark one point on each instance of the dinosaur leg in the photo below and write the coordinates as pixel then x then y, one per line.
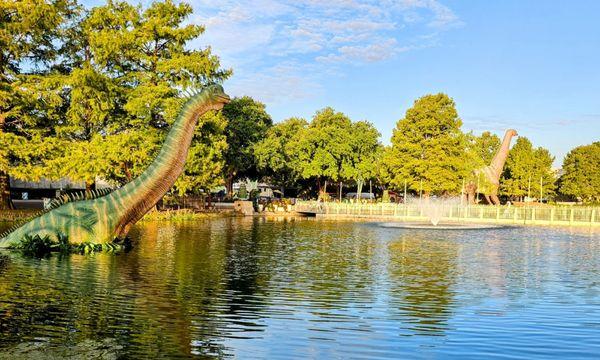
pixel 487 198
pixel 470 190
pixel 495 199
pixel 494 194
pixel 122 233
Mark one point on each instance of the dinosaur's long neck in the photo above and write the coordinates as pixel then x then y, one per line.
pixel 139 196
pixel 498 161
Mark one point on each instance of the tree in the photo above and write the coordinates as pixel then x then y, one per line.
pixel 274 155
pixel 428 148
pixel 581 175
pixel 247 124
pixel 479 153
pixel 365 152
pixel 28 40
pixel 205 162
pixel 133 63
pixel 111 95
pixel 486 145
pixel 321 149
pixel 526 170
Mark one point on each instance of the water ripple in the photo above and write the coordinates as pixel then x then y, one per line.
pixel 251 288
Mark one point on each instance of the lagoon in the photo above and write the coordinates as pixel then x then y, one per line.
pixel 309 288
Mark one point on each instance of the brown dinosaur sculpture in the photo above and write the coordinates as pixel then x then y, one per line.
pixel 493 171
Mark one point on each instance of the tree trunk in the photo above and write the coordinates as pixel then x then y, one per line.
pixel 322 189
pixel 359 186
pixel 126 170
pixel 229 186
pixel 5 202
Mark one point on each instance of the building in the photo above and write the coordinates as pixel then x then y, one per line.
pixel 32 194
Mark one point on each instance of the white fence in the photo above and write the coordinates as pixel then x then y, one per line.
pixel 539 215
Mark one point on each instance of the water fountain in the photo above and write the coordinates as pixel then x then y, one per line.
pixel 436 209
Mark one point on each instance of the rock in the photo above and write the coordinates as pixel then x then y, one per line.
pixel 244 207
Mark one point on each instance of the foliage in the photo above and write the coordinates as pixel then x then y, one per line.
pixel 103 107
pixel 247 123
pixel 320 149
pixel 242 192
pixel 479 153
pixel 581 177
pixel 385 197
pixel 179 215
pixel 40 246
pixel 28 33
pixel 205 162
pixel 330 147
pixel 274 155
pixel 525 167
pixel 486 145
pixel 428 148
pixel 365 150
pixel 36 246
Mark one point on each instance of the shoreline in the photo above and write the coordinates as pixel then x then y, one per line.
pixel 10 216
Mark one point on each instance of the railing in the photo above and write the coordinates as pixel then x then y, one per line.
pixel 539 215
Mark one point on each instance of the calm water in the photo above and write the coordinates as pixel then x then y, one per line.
pixel 251 288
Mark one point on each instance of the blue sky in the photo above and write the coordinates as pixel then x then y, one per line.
pixel 530 65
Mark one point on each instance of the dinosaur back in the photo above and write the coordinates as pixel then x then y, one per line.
pixel 58 202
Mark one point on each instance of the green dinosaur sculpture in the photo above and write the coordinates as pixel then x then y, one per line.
pixel 102 216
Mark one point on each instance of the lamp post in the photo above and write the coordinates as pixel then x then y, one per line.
pixel 541 188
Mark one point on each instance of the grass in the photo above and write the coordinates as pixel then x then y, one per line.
pixel 16 215
pixel 181 215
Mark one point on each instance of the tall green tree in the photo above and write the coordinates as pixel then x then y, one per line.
pixel 275 157
pixel 247 123
pixel 206 159
pixel 30 44
pixel 486 145
pixel 479 153
pixel 108 100
pixel 359 164
pixel 322 148
pixel 133 63
pixel 428 148
pixel 581 174
pixel 527 171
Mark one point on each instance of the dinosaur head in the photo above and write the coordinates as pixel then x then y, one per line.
pixel 216 96
pixel 512 132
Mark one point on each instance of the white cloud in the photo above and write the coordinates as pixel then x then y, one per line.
pixel 256 37
pixel 374 52
pixel 442 15
pixel 276 84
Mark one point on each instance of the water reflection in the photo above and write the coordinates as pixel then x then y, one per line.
pixel 248 287
pixel 422 274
